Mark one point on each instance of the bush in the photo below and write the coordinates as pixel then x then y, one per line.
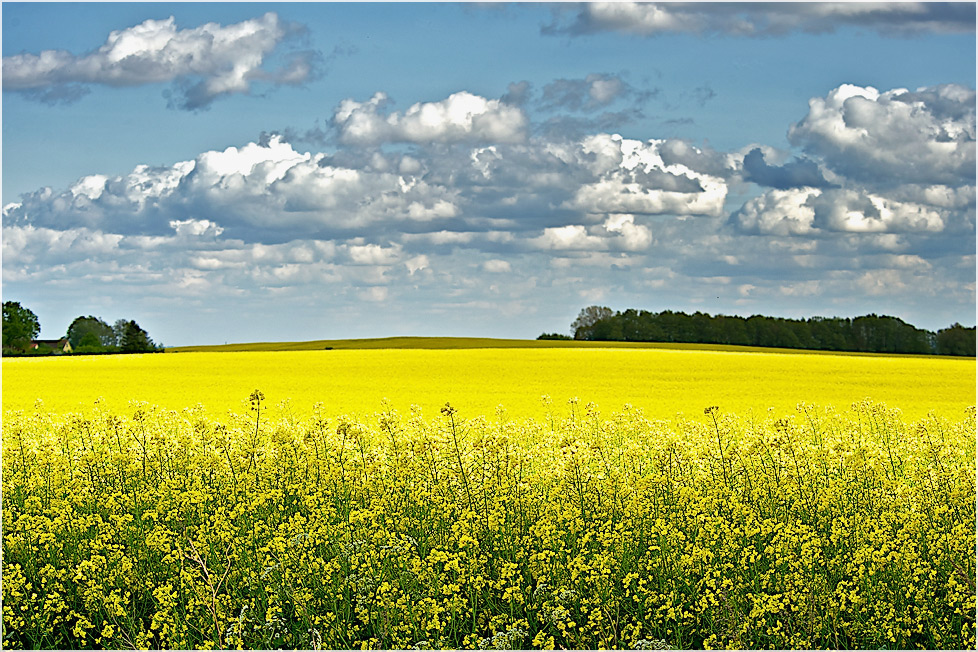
pixel 554 336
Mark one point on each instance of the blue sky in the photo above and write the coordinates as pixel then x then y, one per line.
pixel 247 171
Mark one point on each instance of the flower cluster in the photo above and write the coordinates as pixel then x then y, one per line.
pixel 158 528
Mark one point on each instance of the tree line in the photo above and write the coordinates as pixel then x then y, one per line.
pixel 869 333
pixel 87 334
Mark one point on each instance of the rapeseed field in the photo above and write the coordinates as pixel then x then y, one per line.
pixel 261 522
pixel 663 382
pixel 162 528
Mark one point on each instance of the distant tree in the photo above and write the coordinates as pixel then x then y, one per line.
pixel 20 326
pixel 956 340
pixel 119 329
pixel 608 329
pixel 869 333
pixel 83 327
pixel 135 339
pixel 583 326
pixel 90 343
pixel 554 336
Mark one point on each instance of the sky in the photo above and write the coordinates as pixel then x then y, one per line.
pixel 238 172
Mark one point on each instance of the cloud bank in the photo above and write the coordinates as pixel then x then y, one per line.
pixel 898 162
pixel 204 63
pixel 460 205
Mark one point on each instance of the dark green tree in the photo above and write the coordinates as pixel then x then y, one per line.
pixel 119 329
pixel 135 339
pixel 90 341
pixel 583 326
pixel 554 336
pixel 869 333
pixel 20 326
pixel 81 327
pixel 956 340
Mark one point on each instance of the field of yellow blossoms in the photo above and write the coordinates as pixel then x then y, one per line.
pixel 272 525
pixel 160 528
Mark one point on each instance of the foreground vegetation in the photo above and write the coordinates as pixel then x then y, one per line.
pixel 816 528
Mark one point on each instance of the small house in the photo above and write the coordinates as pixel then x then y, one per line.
pixel 62 345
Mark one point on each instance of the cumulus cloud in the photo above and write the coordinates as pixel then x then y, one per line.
pixel 762 19
pixel 569 237
pixel 461 117
pixel 478 197
pixel 630 236
pixel 380 221
pixel 417 263
pixel 585 194
pixel 860 212
pixel 795 174
pixel 897 162
pixel 496 266
pixel 29 244
pixel 204 63
pixel 196 228
pixel 701 160
pixel 895 137
pixel 806 210
pixel 618 233
pixel 778 212
pixel 634 178
pixel 266 192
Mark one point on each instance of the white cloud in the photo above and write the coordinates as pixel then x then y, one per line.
pixel 440 208
pixel 461 117
pixel 250 191
pixel 497 266
pixel 631 236
pixel 90 187
pixel 898 162
pixel 848 210
pixel 207 61
pixel 807 210
pixel 28 244
pixel 764 19
pixel 898 136
pixel 569 237
pixel 619 233
pixel 778 212
pixel 417 264
pixel 635 179
pixel 264 163
pixel 196 228
pixel 372 254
